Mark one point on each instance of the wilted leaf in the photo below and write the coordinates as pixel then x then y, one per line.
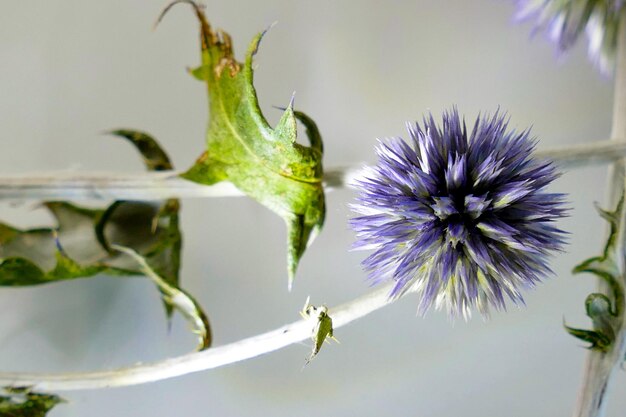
pixel 20 402
pixel 79 247
pixel 176 298
pixel 265 163
pixel 154 157
pixel 72 249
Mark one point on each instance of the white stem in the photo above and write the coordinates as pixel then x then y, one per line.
pixel 200 361
pixel 599 366
pixel 161 185
pixel 143 186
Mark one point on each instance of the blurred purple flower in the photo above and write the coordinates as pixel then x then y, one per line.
pixel 565 20
pixel 463 220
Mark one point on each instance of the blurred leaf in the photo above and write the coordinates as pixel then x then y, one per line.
pixel 604 310
pixel 176 298
pixel 154 157
pixel 598 307
pixel 72 250
pixel 605 266
pixel 598 340
pixel 79 247
pixel 265 163
pixel 20 402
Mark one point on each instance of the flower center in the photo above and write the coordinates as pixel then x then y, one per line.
pixel 458 214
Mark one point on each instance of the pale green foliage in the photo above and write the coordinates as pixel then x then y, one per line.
pixel 265 163
pixel 605 310
pixel 322 326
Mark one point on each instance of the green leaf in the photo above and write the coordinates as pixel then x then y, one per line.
pixel 322 327
pixel 69 251
pixel 605 310
pixel 80 245
pixel 598 340
pixel 176 298
pixel 605 266
pixel 154 157
pixel 265 163
pixel 21 402
pixel 598 307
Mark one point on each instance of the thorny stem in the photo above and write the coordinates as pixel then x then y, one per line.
pixel 199 361
pixel 162 185
pixel 599 366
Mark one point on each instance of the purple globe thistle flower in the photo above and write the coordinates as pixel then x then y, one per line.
pixel 565 20
pixel 463 220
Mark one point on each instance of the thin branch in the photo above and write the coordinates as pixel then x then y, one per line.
pixel 200 361
pixel 161 185
pixel 143 186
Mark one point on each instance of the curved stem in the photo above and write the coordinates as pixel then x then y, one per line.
pixel 599 366
pixel 199 361
pixel 164 184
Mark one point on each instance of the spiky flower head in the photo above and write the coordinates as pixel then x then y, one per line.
pixel 565 20
pixel 462 219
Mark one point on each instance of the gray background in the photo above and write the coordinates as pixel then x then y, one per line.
pixel 72 69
